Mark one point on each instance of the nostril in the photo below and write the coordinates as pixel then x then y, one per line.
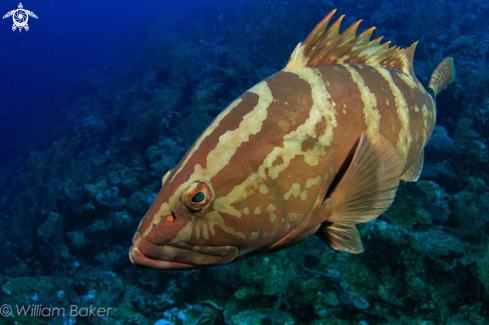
pixel 172 217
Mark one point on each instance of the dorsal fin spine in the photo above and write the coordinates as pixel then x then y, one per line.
pixel 320 28
pixel 342 48
pixel 335 27
pixel 331 40
pixel 326 45
pixel 330 35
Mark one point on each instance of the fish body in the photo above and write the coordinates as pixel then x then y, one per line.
pixel 313 149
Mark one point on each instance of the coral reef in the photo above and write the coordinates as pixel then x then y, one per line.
pixel 484 270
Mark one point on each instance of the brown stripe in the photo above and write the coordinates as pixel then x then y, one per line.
pixel 389 122
pixel 412 97
pixel 349 109
pixel 230 122
pixel 422 113
pixel 290 109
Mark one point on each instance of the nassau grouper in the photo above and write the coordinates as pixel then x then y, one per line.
pixel 314 149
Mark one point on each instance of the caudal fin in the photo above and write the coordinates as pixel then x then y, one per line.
pixel 442 76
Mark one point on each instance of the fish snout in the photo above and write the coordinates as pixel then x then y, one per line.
pixel 145 253
pixel 160 230
pixel 184 256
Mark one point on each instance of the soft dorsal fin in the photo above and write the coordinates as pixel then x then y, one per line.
pixel 443 75
pixel 325 45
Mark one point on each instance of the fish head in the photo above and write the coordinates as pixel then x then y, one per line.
pixel 197 220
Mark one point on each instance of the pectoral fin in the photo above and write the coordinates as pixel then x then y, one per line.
pixel 365 191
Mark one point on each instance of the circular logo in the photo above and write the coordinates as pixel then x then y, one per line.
pixel 5 310
pixel 20 18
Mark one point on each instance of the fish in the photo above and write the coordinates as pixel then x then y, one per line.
pixel 314 149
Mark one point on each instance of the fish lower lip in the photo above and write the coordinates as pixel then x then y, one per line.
pixel 138 258
pixel 184 256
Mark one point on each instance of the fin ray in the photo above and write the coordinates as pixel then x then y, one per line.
pixel 365 191
pixel 443 75
pixel 413 173
pixel 342 237
pixel 325 45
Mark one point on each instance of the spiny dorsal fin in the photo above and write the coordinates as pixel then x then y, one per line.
pixel 327 46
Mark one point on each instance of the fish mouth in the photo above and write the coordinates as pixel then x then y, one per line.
pixel 178 256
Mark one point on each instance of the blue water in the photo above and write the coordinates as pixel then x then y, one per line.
pixel 41 67
pixel 99 99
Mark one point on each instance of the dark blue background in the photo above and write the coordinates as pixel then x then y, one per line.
pixel 40 67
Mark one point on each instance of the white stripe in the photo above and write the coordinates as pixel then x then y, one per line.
pixel 208 131
pixel 230 141
pixel 371 114
pixel 405 138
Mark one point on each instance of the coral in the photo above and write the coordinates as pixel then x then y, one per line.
pixel 484 270
pixel 416 201
pixel 207 312
pixel 147 126
pixel 435 201
pixel 206 99
pixel 463 132
pixel 78 239
pixel 472 212
pixel 440 144
pixel 126 316
pixel 246 293
pixel 106 195
pixel 267 274
pixel 21 288
pixel 110 198
pixel 139 201
pixel 25 291
pixel 163 156
pixel 49 227
pixel 439 244
pixel 247 317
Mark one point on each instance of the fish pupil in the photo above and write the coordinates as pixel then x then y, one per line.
pixel 198 197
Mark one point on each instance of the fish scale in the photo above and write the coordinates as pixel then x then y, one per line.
pixel 316 148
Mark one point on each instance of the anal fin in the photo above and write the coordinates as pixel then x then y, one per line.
pixel 413 173
pixel 341 237
pixel 365 191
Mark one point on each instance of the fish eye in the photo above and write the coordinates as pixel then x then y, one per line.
pixel 197 196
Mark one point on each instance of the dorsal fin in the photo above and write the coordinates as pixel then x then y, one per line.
pixel 325 45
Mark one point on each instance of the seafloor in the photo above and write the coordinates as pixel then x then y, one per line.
pixel 72 202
